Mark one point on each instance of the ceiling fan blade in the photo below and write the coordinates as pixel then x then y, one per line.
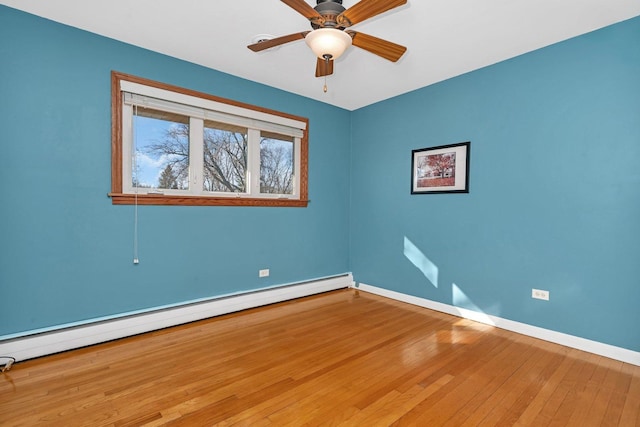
pixel 324 67
pixel 303 8
pixel 266 44
pixel 366 9
pixel 380 47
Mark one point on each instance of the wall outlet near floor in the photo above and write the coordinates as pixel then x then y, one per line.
pixel 263 273
pixel 540 294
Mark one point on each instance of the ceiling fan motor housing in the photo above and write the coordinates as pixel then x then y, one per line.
pixel 329 9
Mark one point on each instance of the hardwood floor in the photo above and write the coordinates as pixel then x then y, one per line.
pixel 342 358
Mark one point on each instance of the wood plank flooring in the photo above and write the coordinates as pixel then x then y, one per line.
pixel 344 358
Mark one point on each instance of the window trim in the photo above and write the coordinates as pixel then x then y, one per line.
pixel 118 197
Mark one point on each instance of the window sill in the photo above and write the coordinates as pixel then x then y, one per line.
pixel 160 199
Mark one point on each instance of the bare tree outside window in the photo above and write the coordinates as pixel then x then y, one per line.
pixel 225 154
pixel 162 150
pixel 225 158
pixel 276 165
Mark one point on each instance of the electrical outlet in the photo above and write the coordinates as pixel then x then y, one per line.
pixel 540 294
pixel 263 273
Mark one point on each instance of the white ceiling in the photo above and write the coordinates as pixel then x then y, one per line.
pixel 444 38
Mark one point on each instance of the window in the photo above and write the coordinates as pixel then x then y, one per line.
pixel 174 146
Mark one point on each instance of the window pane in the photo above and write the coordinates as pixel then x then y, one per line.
pixel 161 144
pixel 276 163
pixel 225 157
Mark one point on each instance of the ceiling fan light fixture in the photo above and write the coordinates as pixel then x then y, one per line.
pixel 328 43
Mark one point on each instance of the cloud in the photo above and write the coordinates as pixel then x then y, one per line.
pixel 149 169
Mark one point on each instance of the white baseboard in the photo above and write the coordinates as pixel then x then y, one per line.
pixel 610 351
pixel 67 337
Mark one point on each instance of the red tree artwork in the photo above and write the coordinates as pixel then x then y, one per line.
pixel 437 170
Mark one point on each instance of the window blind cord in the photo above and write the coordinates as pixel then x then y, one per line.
pixel 134 138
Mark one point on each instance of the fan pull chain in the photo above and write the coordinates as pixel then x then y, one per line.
pixel 327 66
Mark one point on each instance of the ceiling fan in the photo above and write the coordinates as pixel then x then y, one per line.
pixel 329 37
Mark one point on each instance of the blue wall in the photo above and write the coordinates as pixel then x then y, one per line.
pixel 554 201
pixel 66 252
pixel 554 198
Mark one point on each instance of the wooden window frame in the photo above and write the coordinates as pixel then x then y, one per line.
pixel 118 197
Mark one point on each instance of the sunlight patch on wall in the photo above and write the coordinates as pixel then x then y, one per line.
pixel 466 308
pixel 420 260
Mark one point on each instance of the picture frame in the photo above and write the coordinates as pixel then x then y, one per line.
pixel 441 169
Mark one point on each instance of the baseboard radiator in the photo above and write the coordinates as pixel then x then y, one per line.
pixel 67 337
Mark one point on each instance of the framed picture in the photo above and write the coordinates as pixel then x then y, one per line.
pixel 443 169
